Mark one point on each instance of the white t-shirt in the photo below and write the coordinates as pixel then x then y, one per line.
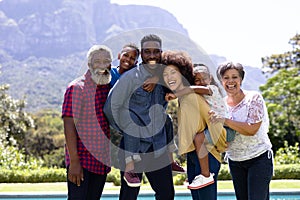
pixel 251 109
pixel 216 101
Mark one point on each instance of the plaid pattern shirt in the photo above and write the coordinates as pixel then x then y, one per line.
pixel 84 101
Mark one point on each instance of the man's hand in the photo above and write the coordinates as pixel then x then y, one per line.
pixel 75 173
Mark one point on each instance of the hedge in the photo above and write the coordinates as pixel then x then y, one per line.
pixel 288 171
pixel 291 171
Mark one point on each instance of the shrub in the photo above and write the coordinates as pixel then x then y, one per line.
pixel 11 158
pixel 288 171
pixel 179 179
pixel 114 177
pixel 291 171
pixel 55 159
pixel 224 173
pixel 32 175
pixel 288 154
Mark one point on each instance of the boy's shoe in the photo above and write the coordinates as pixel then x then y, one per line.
pixel 177 168
pixel 201 181
pixel 132 179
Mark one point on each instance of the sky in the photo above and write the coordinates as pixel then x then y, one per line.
pixel 240 30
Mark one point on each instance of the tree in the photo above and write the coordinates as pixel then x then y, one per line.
pixel 14 121
pixel 46 140
pixel 287 60
pixel 281 93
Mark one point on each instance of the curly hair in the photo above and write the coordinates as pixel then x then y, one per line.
pixel 184 63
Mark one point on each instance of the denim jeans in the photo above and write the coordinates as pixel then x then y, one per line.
pixel 230 135
pixel 132 144
pixel 91 188
pixel 193 169
pixel 251 178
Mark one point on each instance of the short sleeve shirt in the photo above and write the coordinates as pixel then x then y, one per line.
pixel 216 101
pixel 84 102
pixel 115 75
pixel 193 118
pixel 251 109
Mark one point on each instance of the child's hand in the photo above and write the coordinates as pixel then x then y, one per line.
pixel 170 96
pixel 150 83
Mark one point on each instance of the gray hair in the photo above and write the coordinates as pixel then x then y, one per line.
pixel 96 48
pixel 223 67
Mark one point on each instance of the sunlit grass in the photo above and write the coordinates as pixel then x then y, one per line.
pixel 62 187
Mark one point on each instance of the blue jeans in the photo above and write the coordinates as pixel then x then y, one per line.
pixel 132 143
pixel 91 188
pixel 193 169
pixel 251 178
pixel 230 135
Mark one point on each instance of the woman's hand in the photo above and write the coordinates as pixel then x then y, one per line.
pixel 215 118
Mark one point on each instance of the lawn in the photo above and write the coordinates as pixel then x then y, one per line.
pixel 61 186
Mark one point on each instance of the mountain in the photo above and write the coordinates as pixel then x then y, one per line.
pixel 43 43
pixel 55 28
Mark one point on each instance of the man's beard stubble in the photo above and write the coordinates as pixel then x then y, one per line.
pixel 101 78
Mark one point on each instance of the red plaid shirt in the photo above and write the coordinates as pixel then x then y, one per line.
pixel 84 101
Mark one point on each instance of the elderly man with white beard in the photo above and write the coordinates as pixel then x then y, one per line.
pixel 86 129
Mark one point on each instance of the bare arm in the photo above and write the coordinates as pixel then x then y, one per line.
pixel 75 174
pixel 201 89
pixel 150 83
pixel 243 128
pixel 194 89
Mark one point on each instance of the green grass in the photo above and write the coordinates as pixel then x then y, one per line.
pixel 61 186
pixel 275 184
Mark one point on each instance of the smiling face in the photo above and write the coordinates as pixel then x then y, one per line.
pixel 202 79
pixel 128 58
pixel 151 54
pixel 231 81
pixel 100 67
pixel 173 78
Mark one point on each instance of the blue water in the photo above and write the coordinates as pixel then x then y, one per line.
pixel 279 196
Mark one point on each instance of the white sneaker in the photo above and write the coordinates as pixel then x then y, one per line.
pixel 201 181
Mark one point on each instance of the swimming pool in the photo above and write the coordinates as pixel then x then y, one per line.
pixel 275 195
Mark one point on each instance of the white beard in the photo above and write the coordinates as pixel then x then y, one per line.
pixel 101 78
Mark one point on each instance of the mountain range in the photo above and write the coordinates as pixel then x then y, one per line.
pixel 43 43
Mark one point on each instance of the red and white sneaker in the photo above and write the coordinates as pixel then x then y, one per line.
pixel 177 168
pixel 132 179
pixel 201 181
